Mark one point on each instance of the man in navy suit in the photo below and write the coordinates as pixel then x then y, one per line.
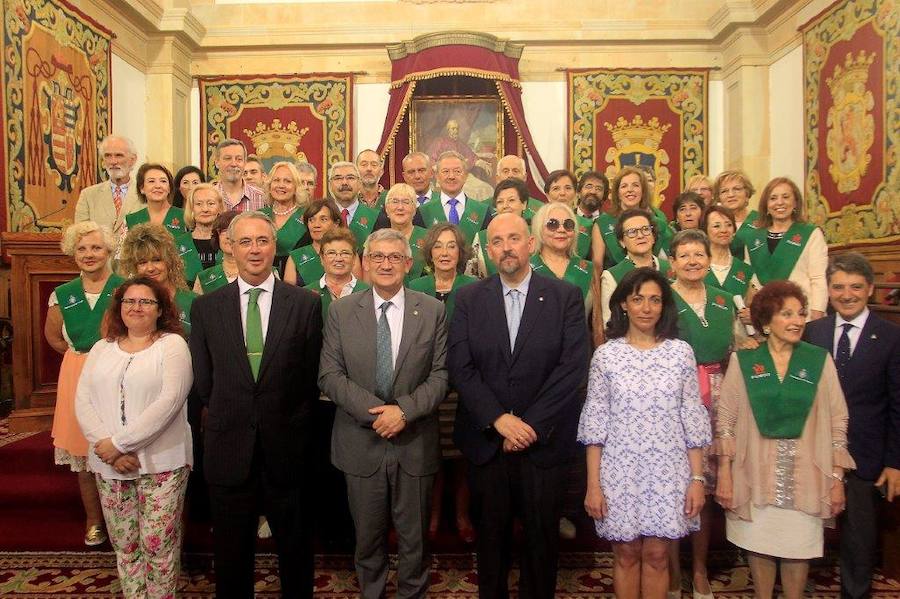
pixel 518 356
pixel 866 351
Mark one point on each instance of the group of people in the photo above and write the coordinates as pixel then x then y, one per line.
pixel 265 338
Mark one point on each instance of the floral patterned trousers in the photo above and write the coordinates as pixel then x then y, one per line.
pixel 143 518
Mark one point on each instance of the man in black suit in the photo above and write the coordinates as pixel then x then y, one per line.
pixel 866 351
pixel 518 356
pixel 255 347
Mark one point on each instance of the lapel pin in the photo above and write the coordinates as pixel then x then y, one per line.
pixel 874 336
pixel 540 299
pixel 415 312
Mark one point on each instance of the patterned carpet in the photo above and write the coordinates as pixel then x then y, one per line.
pixel 582 575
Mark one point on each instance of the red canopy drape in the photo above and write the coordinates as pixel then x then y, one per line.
pixel 457 63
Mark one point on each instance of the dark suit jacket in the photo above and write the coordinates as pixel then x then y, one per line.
pixel 277 406
pixel 542 381
pixel 347 377
pixel 871 385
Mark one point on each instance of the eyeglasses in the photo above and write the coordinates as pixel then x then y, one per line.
pixel 635 231
pixel 553 224
pixel 395 258
pixel 451 171
pixel 592 187
pixel 334 254
pixel 261 242
pixel 399 202
pixel 349 178
pixel 143 302
pixel 730 190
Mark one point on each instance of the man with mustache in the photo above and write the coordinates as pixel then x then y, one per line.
pixel 231 158
pixel 517 354
pixel 370 168
pixel 108 202
pixel 344 185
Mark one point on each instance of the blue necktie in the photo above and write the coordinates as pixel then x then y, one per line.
pixel 843 347
pixel 384 360
pixel 422 200
pixel 514 316
pixel 453 217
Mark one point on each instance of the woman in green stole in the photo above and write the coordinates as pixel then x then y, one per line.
pixel 781 437
pixel 226 271
pixel 733 190
pixel 287 199
pixel 400 207
pixel 154 188
pixel 727 272
pixel 149 251
pixel 203 206
pixel 74 318
pixel 635 233
pixel 785 246
pixel 304 264
pixel 444 252
pixel 554 228
pixel 706 321
pixel 630 189
pixel 338 254
pixel 510 196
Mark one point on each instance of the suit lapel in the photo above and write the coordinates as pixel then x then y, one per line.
pixel 495 309
pixel 534 304
pixel 867 340
pixel 412 320
pixel 279 316
pixel 233 325
pixel 365 320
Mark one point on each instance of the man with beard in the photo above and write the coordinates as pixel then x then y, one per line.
pixel 592 189
pixel 108 202
pixel 370 168
pixel 518 356
pixel 231 156
pixel 254 172
pixel 343 183
pixel 513 167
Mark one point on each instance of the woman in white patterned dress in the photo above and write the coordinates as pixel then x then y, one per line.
pixel 644 428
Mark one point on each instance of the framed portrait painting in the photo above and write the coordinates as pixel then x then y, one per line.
pixel 470 125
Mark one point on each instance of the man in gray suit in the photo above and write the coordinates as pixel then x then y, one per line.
pixel 107 202
pixel 383 365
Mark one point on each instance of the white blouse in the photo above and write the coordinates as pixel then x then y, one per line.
pixel 139 401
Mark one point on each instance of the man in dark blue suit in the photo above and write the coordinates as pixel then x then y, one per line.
pixel 518 355
pixel 866 351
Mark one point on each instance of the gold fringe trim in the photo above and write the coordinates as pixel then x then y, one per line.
pixel 451 38
pixel 452 71
pixel 404 107
pixel 509 113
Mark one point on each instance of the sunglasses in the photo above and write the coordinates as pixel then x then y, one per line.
pixel 553 224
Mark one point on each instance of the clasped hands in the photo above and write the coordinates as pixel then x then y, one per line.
pixel 389 420
pixel 517 434
pixel 123 463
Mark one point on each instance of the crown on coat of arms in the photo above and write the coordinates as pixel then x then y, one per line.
pixel 636 131
pixel 276 140
pixel 851 78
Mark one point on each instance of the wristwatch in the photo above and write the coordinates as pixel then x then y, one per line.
pixel 698 478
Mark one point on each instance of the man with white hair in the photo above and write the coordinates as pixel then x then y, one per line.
pixel 231 156
pixel 108 202
pixel 513 167
pixel 450 203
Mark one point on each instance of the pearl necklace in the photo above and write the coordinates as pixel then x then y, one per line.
pixel 285 213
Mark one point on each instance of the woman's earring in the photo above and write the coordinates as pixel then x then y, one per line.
pixel 767 331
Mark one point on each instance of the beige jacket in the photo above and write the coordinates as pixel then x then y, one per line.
pixel 96 203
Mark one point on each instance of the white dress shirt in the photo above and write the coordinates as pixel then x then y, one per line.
pixel 346 290
pixel 351 210
pixel 394 318
pixel 460 208
pixel 858 323
pixel 264 301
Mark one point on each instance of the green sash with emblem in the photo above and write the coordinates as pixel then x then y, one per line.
pixel 290 233
pixel 584 226
pixel 187 251
pixel 325 294
pixel 83 322
pixel 614 253
pixel 736 281
pixel 624 267
pixel 489 265
pixel 308 264
pixel 427 286
pixel 173 221
pixel 416 242
pixel 212 278
pixel 778 265
pixel 743 237
pixel 363 222
pixel 471 217
pixel 664 233
pixel 183 301
pixel 578 272
pixel 534 205
pixel 711 337
pixel 781 408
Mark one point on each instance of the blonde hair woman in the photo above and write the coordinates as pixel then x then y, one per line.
pixel 202 206
pixel 286 199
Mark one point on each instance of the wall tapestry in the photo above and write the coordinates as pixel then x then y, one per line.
pixel 304 117
pixel 55 111
pixel 651 118
pixel 853 121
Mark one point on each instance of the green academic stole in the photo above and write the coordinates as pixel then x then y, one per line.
pixel 743 237
pixel 778 265
pixel 527 214
pixel 325 294
pixel 173 221
pixel 470 219
pixel 578 272
pixel 416 243
pixel 290 232
pixel 379 202
pixel 584 225
pixel 83 322
pixel 664 233
pixel 308 264
pixel 624 267
pixel 362 224
pixel 187 251
pixel 489 265
pixel 711 337
pixel 426 285
pixel 534 205
pixel 781 408
pixel 212 278
pixel 183 300
pixel 736 281
pixel 614 253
